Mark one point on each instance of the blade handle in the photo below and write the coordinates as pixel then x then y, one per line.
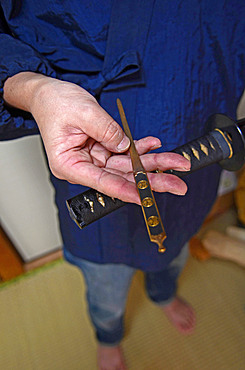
pixel 204 151
pixel 150 211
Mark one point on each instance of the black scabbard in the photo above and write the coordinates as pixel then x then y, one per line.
pixel 90 206
pixel 224 144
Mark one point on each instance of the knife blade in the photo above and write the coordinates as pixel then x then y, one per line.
pixel 149 207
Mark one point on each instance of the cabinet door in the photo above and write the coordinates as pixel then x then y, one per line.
pixel 27 210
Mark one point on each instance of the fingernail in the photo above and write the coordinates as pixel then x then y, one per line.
pixel 183 169
pixel 124 144
pixel 180 193
pixel 156 146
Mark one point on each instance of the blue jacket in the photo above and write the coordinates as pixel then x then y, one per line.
pixel 172 63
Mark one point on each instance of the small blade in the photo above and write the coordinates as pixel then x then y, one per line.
pixel 136 162
pixel 151 214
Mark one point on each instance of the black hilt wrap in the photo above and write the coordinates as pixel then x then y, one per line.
pixel 224 144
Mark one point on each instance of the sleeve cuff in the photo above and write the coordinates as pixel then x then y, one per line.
pixel 16 57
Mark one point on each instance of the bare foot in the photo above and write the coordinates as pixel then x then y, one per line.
pixel 110 358
pixel 181 315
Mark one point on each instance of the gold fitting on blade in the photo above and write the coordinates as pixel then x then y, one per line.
pixel 161 249
pixel 142 184
pixel 153 221
pixel 159 239
pixel 147 202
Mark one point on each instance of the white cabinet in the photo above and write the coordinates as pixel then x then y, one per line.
pixel 27 210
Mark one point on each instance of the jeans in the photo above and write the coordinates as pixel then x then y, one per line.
pixel 107 289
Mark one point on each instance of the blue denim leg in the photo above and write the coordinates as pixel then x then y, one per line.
pixel 107 289
pixel 161 286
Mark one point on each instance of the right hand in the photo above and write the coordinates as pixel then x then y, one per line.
pixel 84 144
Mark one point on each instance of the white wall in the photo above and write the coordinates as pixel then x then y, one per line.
pixel 228 180
pixel 241 107
pixel 27 210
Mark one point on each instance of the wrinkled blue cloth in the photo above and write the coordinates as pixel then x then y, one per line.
pixel 172 63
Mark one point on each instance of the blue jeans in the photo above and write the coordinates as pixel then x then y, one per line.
pixel 107 290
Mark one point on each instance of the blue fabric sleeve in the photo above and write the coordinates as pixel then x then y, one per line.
pixel 15 57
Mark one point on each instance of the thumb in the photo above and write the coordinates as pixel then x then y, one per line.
pixel 109 133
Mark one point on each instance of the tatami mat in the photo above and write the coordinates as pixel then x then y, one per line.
pixel 44 326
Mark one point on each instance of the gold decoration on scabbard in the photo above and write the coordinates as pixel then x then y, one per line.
pixel 204 149
pixel 186 155
pixel 100 199
pixel 195 152
pixel 211 144
pixel 91 203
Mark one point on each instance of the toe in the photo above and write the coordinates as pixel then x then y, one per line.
pixel 181 315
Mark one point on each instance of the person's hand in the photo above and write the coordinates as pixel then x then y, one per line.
pixel 84 144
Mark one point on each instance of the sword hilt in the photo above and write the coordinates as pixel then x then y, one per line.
pixel 224 144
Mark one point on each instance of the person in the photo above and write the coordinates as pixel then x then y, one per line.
pixel 172 64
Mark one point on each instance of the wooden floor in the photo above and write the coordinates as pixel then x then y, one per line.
pixel 11 264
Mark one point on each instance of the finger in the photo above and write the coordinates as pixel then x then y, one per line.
pixel 99 154
pixel 147 144
pixel 162 182
pixel 151 162
pixel 101 127
pixel 165 161
pixel 114 182
pixel 115 185
pixel 122 186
